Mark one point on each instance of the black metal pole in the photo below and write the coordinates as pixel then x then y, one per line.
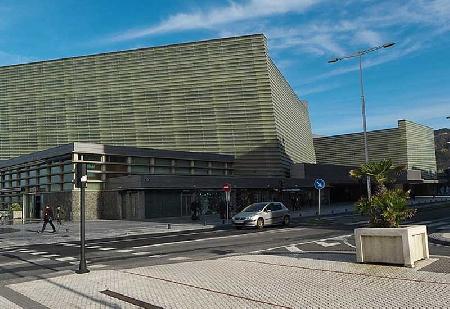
pixel 82 269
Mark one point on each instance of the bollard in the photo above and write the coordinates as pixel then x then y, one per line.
pixel 317 213
pixel 345 209
pixel 169 226
pixel 299 214
pixel 204 222
pixel 223 221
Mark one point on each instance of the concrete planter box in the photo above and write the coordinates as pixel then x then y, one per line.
pixel 17 214
pixel 403 245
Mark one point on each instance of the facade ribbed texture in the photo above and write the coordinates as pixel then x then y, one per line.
pixel 211 96
pixel 292 121
pixel 410 145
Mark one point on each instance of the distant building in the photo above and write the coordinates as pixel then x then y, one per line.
pixel 220 96
pixel 410 145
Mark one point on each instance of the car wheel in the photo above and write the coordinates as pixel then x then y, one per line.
pixel 260 223
pixel 286 220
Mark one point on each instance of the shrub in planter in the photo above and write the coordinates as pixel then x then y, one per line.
pixel 16 210
pixel 16 207
pixel 386 209
pixel 385 241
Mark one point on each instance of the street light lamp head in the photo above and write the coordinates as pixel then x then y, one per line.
pixel 333 60
pixel 390 44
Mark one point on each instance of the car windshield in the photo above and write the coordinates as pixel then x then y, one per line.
pixel 254 207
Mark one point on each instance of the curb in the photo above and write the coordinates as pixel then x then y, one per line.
pixel 437 238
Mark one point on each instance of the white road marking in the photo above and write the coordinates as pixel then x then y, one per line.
pixel 65 259
pixel 50 255
pixel 70 245
pixel 293 249
pixel 94 266
pixel 211 238
pixel 327 244
pixel 124 250
pixel 141 253
pixel 344 239
pixel 303 243
pixel 38 253
pixel 92 247
pixel 179 258
pixel 106 249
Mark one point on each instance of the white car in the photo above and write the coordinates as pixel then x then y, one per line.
pixel 262 214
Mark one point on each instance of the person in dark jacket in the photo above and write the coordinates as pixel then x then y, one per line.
pixel 48 218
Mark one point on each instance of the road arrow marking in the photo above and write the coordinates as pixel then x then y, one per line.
pixel 327 244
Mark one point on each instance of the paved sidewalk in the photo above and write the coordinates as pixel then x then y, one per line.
pixel 248 281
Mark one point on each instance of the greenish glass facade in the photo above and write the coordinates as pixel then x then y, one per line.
pixel 221 96
pixel 410 145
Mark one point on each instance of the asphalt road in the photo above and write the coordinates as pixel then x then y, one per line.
pixel 332 235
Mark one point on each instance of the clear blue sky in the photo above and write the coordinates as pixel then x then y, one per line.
pixel 408 81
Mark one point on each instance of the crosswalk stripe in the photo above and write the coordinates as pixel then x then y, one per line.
pixel 66 259
pixel 106 249
pixel 141 253
pixel 50 255
pixel 124 250
pixel 38 253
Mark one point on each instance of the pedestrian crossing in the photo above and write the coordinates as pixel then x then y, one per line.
pixel 74 260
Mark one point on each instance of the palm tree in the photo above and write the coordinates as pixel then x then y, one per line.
pixel 381 172
pixel 386 208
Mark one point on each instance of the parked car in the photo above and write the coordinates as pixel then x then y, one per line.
pixel 261 214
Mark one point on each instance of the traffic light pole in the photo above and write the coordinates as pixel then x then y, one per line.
pixel 82 269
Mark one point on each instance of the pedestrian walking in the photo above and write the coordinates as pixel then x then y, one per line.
pixel 48 218
pixel 59 214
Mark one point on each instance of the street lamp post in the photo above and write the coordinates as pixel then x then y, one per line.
pixel 359 54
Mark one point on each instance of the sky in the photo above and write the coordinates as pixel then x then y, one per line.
pixel 408 81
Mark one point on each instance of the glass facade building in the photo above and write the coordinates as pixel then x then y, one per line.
pixel 218 96
pixel 48 176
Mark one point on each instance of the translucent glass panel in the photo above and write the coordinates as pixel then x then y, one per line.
pixel 94 176
pixel 68 177
pixel 163 170
pixel 140 161
pixel 68 168
pixel 140 169
pixel 94 167
pixel 95 186
pixel 163 162
pixel 182 170
pixel 116 159
pixel 116 168
pixel 92 157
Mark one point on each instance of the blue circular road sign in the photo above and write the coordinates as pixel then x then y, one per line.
pixel 319 184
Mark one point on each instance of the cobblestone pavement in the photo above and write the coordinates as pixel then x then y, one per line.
pixel 4 303
pixel 247 281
